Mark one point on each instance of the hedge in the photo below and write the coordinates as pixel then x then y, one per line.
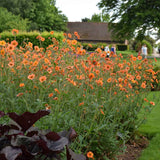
pixel 25 37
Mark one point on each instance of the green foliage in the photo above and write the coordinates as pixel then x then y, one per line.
pixel 9 21
pixel 132 15
pixel 43 15
pixel 102 17
pixel 24 37
pixel 122 47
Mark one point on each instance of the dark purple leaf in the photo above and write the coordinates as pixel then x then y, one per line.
pixel 27 119
pixel 4 129
pixel 73 156
pixel 32 131
pixel 2 114
pixel 30 143
pixel 2 157
pixel 53 136
pixel 11 153
pixel 4 141
pixel 72 134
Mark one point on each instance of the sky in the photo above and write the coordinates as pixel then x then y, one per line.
pixel 76 10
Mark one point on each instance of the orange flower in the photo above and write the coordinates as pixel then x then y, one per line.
pixel 109 80
pixel 74 42
pixel 134 58
pixel 102 111
pixel 14 31
pixel 52 32
pixel 31 76
pixel 69 35
pixel 55 98
pixel 36 48
pixel 11 64
pixel 48 108
pixel 81 104
pixel 90 155
pixel 21 85
pixel 143 85
pixel 91 76
pixel 19 94
pixel 138 77
pixel 56 90
pixel 152 103
pixel 50 95
pixel 14 43
pixel 10 47
pixel 2 52
pixel 2 43
pixel 42 79
pixel 139 57
pixel 145 99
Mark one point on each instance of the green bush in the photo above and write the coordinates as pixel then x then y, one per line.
pixel 122 47
pixel 24 37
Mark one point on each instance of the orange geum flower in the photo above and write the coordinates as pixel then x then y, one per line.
pixel 11 64
pixel 139 57
pixel 102 111
pixel 14 43
pixel 21 85
pixel 152 103
pixel 138 77
pixel 2 52
pixel 74 42
pixel 2 43
pixel 50 95
pixel 42 79
pixel 10 47
pixel 145 99
pixel 51 32
pixel 90 155
pixel 143 85
pixel 91 76
pixel 134 58
pixel 82 103
pixel 109 80
pixel 14 31
pixel 55 98
pixel 31 76
pixel 56 90
pixel 19 94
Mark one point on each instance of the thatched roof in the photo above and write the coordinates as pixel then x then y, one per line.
pixel 91 31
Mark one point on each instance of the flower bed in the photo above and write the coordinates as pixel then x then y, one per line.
pixel 99 97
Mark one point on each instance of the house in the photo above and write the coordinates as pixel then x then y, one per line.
pixel 92 31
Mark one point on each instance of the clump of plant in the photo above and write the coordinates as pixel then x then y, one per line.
pixel 20 140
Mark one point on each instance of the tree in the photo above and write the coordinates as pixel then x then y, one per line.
pixel 101 17
pixel 9 21
pixel 130 16
pixel 42 13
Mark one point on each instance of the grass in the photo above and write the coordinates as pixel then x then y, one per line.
pixel 152 129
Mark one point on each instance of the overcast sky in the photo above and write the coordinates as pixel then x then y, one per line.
pixel 76 10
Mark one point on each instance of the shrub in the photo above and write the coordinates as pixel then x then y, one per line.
pixel 20 140
pixel 35 37
pixel 122 47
